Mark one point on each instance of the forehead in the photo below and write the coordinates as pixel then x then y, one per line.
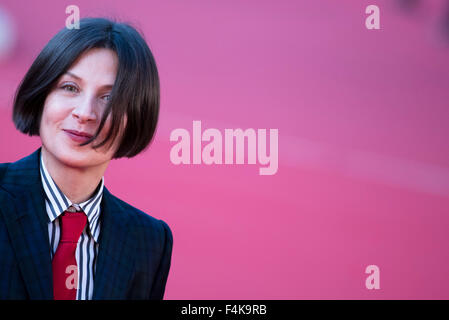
pixel 98 65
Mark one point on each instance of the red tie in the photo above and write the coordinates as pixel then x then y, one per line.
pixel 65 269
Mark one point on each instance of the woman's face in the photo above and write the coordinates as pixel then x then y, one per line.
pixel 74 107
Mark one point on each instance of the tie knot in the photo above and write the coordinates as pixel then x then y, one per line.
pixel 73 224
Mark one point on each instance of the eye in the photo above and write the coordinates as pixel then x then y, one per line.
pixel 106 97
pixel 70 88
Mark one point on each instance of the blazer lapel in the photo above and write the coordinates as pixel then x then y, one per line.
pixel 115 263
pixel 23 207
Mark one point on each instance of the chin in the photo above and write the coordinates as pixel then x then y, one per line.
pixel 74 159
pixel 71 157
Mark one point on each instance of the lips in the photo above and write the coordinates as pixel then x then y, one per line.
pixel 78 136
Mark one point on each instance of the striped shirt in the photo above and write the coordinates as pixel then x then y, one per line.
pixel 87 248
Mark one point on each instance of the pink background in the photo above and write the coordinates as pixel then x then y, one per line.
pixel 362 115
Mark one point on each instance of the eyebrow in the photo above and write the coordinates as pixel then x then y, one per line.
pixel 108 86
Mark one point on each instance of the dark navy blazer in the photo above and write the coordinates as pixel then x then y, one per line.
pixel 134 248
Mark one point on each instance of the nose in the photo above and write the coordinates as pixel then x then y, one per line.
pixel 85 110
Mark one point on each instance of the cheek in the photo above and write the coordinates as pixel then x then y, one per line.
pixel 109 148
pixel 53 114
pixel 107 126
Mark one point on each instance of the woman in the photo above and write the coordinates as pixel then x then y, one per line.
pixel 91 95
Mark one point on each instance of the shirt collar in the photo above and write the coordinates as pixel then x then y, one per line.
pixel 57 202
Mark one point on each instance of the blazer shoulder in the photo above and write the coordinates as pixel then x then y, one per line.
pixel 141 220
pixel 21 173
pixel 3 168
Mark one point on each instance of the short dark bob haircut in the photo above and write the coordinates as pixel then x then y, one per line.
pixel 135 94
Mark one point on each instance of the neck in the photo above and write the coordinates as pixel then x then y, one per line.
pixel 78 184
